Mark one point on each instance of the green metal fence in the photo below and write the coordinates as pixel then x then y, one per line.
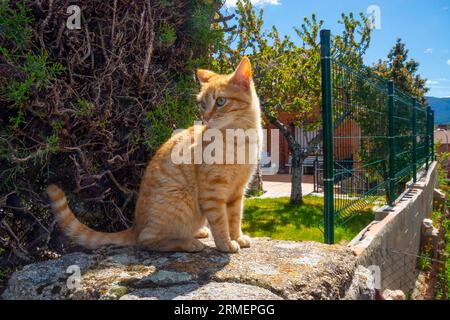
pixel 376 138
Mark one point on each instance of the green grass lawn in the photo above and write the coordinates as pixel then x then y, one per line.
pixel 278 219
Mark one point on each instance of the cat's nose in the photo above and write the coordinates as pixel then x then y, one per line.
pixel 206 116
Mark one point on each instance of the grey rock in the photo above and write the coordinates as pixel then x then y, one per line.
pixel 164 278
pixel 208 291
pixel 363 285
pixel 312 260
pixel 46 280
pixel 268 270
pixel 394 294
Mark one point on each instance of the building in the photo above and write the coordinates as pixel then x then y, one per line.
pixel 346 146
pixel 442 139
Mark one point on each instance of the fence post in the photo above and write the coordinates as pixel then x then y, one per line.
pixel 433 156
pixel 327 119
pixel 428 142
pixel 391 102
pixel 414 140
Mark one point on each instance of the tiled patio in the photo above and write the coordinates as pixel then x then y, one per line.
pixel 278 186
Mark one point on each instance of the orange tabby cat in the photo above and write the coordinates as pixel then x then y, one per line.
pixel 176 201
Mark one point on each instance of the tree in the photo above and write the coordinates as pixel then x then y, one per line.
pixel 403 71
pixel 287 75
pixel 408 83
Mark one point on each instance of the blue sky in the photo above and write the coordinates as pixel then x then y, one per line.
pixel 423 25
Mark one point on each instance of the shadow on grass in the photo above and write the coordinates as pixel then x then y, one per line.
pixel 278 219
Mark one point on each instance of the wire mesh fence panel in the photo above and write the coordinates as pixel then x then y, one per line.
pixel 421 149
pixel 403 146
pixel 376 137
pixel 398 270
pixel 359 140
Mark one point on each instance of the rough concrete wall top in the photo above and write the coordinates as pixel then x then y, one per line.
pixel 268 270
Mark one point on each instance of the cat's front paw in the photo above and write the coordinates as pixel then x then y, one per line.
pixel 203 233
pixel 229 247
pixel 244 241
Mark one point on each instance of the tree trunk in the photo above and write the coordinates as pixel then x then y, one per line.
pixel 296 180
pixel 255 187
pixel 298 156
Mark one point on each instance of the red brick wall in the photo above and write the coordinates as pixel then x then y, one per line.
pixel 346 142
pixel 343 148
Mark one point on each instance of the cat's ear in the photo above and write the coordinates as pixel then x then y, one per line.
pixel 243 74
pixel 204 75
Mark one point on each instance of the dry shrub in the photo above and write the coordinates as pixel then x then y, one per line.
pixel 87 108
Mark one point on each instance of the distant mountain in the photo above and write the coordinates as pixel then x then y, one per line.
pixel 441 107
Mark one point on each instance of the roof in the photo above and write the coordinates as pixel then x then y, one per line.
pixel 440 136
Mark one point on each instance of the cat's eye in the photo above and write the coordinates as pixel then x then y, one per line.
pixel 221 101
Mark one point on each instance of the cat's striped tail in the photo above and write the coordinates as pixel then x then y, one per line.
pixel 80 233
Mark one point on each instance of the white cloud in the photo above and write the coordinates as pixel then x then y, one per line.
pixel 232 3
pixel 448 62
pixel 432 82
pixel 429 50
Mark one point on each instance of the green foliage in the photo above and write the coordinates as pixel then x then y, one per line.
pixel 52 143
pixel 31 74
pixel 443 283
pixel 287 74
pixel 443 159
pixel 166 34
pixel 253 193
pixel 278 219
pixel 35 74
pixel 444 275
pixel 286 70
pixel 206 37
pixel 166 3
pixel 202 32
pixel 424 262
pixel 14 23
pixel 35 69
pixel 84 108
pixel 403 71
pixel 4 274
pixel 353 43
pixel 57 125
pixel 365 89
pixel 18 120
pixel 177 110
pixel 38 73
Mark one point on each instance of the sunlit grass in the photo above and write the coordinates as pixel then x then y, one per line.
pixel 278 219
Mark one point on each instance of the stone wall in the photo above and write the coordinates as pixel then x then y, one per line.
pixel 391 243
pixel 268 270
